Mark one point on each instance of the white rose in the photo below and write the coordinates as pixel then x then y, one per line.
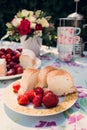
pixel 33 25
pixel 31 12
pixel 9 25
pixel 31 18
pixel 37 13
pixel 24 13
pixel 43 22
pixel 16 21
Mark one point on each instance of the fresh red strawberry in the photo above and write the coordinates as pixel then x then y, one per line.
pixel 39 90
pixel 8 56
pixel 50 100
pixel 19 49
pixel 23 100
pixel 31 94
pixel 37 100
pixel 41 96
pixel 17 55
pixel 16 87
pixel 9 50
pixel 48 91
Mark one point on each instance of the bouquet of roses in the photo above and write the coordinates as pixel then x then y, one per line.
pixel 28 23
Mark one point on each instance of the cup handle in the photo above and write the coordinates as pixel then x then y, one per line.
pixel 77 29
pixel 84 42
pixel 83 46
pixel 85 25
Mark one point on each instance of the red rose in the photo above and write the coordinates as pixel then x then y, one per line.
pixel 38 27
pixel 24 27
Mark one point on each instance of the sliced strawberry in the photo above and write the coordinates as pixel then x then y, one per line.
pixel 16 86
pixel 23 100
pixel 31 94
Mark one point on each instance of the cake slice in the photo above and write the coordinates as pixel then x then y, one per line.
pixel 42 77
pixel 3 69
pixel 60 82
pixel 29 80
pixel 27 58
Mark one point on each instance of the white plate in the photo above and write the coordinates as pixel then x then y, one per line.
pixel 37 65
pixel 10 100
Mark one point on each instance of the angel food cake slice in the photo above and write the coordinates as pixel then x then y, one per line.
pixel 49 78
pixel 42 77
pixel 27 58
pixel 3 69
pixel 28 80
pixel 60 82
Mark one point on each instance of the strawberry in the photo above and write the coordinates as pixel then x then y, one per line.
pixel 31 94
pixel 50 100
pixel 23 100
pixel 39 90
pixel 8 56
pixel 16 87
pixel 19 49
pixel 37 100
pixel 48 91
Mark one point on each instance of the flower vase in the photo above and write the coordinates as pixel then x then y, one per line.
pixel 32 43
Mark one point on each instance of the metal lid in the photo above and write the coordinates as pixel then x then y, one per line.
pixel 76 16
pixel 66 18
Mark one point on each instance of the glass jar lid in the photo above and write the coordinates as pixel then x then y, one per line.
pixel 76 16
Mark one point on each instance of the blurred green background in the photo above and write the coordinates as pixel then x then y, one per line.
pixel 55 8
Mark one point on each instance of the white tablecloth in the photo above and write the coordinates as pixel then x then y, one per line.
pixel 74 118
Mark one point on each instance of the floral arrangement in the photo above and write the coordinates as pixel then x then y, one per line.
pixel 29 23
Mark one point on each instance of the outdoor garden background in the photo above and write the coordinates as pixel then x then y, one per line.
pixel 55 8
